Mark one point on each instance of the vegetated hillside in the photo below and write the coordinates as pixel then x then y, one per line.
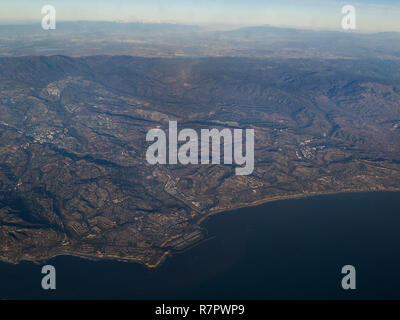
pixel 73 171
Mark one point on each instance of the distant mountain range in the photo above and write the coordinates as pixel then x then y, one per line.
pixel 168 40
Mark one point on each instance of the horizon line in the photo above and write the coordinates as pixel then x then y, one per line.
pixel 227 26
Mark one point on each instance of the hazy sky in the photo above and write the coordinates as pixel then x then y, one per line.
pixel 372 15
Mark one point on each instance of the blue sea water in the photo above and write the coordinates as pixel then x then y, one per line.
pixel 290 249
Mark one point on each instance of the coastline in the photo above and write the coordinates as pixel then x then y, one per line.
pixel 168 253
pixel 273 199
pixel 290 197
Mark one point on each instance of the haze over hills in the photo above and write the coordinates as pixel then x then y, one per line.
pixel 170 40
pixel 73 172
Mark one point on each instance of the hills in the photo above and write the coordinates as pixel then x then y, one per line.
pixel 73 173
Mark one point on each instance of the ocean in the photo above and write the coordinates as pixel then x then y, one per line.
pixel 289 249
